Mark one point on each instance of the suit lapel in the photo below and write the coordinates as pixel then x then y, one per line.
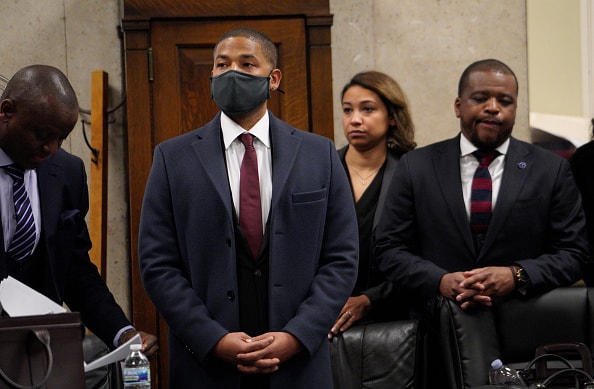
pixel 446 163
pixel 285 145
pixel 3 269
pixel 391 163
pixel 209 152
pixel 49 197
pixel 50 201
pixel 517 167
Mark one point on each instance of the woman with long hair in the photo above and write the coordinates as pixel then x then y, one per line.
pixel 379 129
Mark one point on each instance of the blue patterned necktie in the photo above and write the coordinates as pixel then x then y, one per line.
pixel 481 193
pixel 23 241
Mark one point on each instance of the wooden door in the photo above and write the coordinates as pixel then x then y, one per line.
pixel 169 56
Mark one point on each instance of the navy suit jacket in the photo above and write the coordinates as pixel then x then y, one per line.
pixel 582 166
pixel 68 274
pixel 187 252
pixel 537 222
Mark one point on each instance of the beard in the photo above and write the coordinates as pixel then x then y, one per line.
pixel 490 143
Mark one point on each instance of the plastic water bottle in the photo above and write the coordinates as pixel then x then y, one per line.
pixel 504 376
pixel 137 369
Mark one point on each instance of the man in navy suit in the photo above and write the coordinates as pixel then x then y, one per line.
pixel 38 110
pixel 244 314
pixel 535 238
pixel 582 163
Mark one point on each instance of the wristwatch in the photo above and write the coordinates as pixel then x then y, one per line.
pixel 520 278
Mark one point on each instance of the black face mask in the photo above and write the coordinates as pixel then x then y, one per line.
pixel 237 93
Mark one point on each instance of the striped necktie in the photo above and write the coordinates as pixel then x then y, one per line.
pixel 481 193
pixel 23 240
pixel 250 206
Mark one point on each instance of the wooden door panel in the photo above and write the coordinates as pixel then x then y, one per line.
pixel 182 53
pixel 195 67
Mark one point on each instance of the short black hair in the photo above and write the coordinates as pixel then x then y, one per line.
pixel 268 47
pixel 485 65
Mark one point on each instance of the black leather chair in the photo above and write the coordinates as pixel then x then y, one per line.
pixel 511 331
pixel 105 377
pixel 379 356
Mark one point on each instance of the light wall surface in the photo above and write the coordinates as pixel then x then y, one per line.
pixel 79 37
pixel 423 44
pixel 555 57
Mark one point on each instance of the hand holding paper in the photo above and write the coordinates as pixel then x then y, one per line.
pixel 116 355
pixel 17 299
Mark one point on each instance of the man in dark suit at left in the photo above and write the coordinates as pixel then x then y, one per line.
pixel 44 200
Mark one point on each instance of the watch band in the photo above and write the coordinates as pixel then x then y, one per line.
pixel 520 278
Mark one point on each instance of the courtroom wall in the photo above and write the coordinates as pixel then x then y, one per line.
pixel 424 44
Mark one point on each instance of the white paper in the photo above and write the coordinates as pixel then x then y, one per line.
pixel 17 299
pixel 116 355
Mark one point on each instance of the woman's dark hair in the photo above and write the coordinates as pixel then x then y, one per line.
pixel 400 136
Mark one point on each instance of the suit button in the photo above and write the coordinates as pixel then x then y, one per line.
pixel 228 241
pixel 230 295
pixel 258 273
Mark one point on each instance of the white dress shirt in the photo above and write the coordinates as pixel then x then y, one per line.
pixel 468 165
pixel 234 151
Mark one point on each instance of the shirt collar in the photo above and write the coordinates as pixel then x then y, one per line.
pixel 5 159
pixel 232 130
pixel 467 148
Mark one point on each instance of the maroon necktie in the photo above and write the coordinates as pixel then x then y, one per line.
pixel 250 207
pixel 481 193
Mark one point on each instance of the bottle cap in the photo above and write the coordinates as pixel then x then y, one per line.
pixel 496 364
pixel 135 347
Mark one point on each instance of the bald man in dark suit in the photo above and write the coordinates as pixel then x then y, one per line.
pixel 38 110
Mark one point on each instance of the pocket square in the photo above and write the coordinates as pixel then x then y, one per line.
pixel 69 216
